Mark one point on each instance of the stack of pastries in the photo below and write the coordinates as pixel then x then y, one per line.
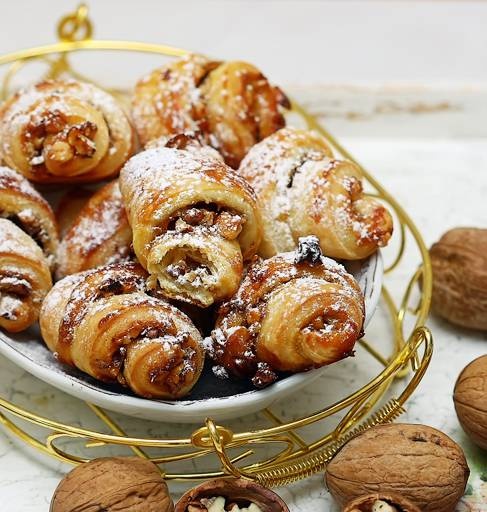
pixel 214 235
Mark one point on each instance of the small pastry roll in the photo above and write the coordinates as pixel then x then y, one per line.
pixel 231 103
pixel 99 235
pixel 102 322
pixel 292 312
pixel 25 207
pixel 25 278
pixel 305 191
pixel 64 132
pixel 194 222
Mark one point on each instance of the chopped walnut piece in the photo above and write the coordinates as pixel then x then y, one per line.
pixel 229 225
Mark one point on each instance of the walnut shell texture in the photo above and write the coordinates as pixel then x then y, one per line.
pixel 459 262
pixel 470 398
pixel 113 484
pixel 418 462
pixel 234 490
pixel 366 503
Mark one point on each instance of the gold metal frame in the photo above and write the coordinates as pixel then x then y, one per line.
pixel 363 408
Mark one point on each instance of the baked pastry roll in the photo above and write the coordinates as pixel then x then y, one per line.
pixel 64 132
pixel 25 278
pixel 69 206
pixel 292 312
pixel 102 322
pixel 305 191
pixel 231 103
pixel 25 207
pixel 194 222
pixel 99 235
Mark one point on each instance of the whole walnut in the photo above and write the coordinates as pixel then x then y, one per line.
pixel 113 484
pixel 459 262
pixel 418 462
pixel 380 502
pixel 470 398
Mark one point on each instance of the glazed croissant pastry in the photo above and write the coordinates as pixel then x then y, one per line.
pixel 102 322
pixel 25 278
pixel 64 132
pixel 292 312
pixel 305 191
pixel 25 207
pixel 231 103
pixel 194 222
pixel 99 235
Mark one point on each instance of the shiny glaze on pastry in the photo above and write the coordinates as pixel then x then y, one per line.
pixel 231 103
pixel 292 312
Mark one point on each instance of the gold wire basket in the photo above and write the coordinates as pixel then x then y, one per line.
pixel 231 452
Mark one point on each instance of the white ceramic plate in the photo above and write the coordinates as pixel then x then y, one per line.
pixel 211 397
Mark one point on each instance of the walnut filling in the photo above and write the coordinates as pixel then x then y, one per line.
pixel 28 222
pixel 51 136
pixel 13 290
pixel 382 506
pixel 378 506
pixel 202 216
pixel 180 355
pixel 190 268
pixel 218 504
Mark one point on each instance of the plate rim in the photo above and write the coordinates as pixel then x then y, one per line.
pixel 185 411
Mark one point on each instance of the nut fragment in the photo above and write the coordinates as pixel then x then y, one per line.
pixel 239 492
pixel 459 262
pixel 470 398
pixel 418 462
pixel 113 484
pixel 380 502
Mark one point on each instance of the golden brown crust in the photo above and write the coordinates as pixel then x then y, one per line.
pixel 232 104
pixel 25 207
pixel 103 322
pixel 289 315
pixel 194 221
pixel 99 234
pixel 304 191
pixel 25 278
pixel 64 132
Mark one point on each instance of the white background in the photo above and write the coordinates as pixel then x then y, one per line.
pixel 295 41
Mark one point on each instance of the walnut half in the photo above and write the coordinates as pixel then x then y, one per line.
pixel 230 495
pixel 380 502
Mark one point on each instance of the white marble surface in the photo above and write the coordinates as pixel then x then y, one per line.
pixel 426 144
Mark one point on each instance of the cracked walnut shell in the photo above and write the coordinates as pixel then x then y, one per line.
pixel 470 398
pixel 235 493
pixel 459 263
pixel 380 502
pixel 113 484
pixel 418 462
